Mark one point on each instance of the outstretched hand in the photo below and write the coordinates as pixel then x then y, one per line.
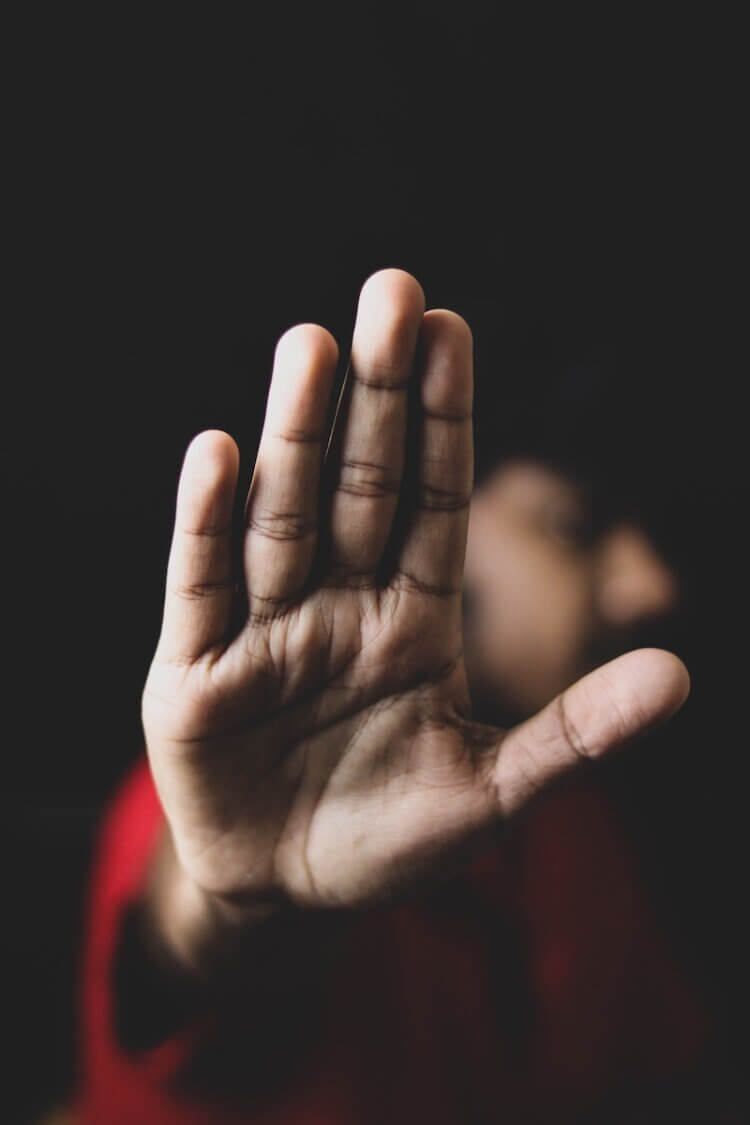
pixel 323 752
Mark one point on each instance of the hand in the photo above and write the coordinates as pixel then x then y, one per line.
pixel 322 751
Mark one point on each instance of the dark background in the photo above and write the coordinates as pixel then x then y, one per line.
pixel 184 191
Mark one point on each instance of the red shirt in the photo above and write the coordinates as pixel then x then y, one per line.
pixel 537 987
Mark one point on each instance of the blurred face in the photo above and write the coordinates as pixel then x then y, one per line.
pixel 546 598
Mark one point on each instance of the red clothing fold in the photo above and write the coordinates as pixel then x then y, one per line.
pixel 536 987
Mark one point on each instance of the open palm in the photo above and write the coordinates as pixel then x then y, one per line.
pixel 323 751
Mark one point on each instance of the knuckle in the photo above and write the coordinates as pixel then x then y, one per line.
pixel 383 374
pixel 367 478
pixel 570 732
pixel 298 436
pixel 198 591
pixel 281 526
pixel 410 583
pixel 207 531
pixel 436 499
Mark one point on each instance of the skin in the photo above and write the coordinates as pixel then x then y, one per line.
pixel 308 720
pixel 545 594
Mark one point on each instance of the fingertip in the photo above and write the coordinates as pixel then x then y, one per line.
pixel 305 344
pixel 210 469
pixel 644 687
pixel 304 367
pixel 666 676
pixel 447 352
pixel 213 449
pixel 447 320
pixel 395 286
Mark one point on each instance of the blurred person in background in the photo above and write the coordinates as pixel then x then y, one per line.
pixel 369 870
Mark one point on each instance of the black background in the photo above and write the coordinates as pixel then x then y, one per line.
pixel 182 191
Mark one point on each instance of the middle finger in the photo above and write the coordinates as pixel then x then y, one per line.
pixel 369 450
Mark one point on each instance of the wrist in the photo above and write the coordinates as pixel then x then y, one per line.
pixel 201 931
pixel 183 951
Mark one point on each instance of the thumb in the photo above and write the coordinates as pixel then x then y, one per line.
pixel 606 709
